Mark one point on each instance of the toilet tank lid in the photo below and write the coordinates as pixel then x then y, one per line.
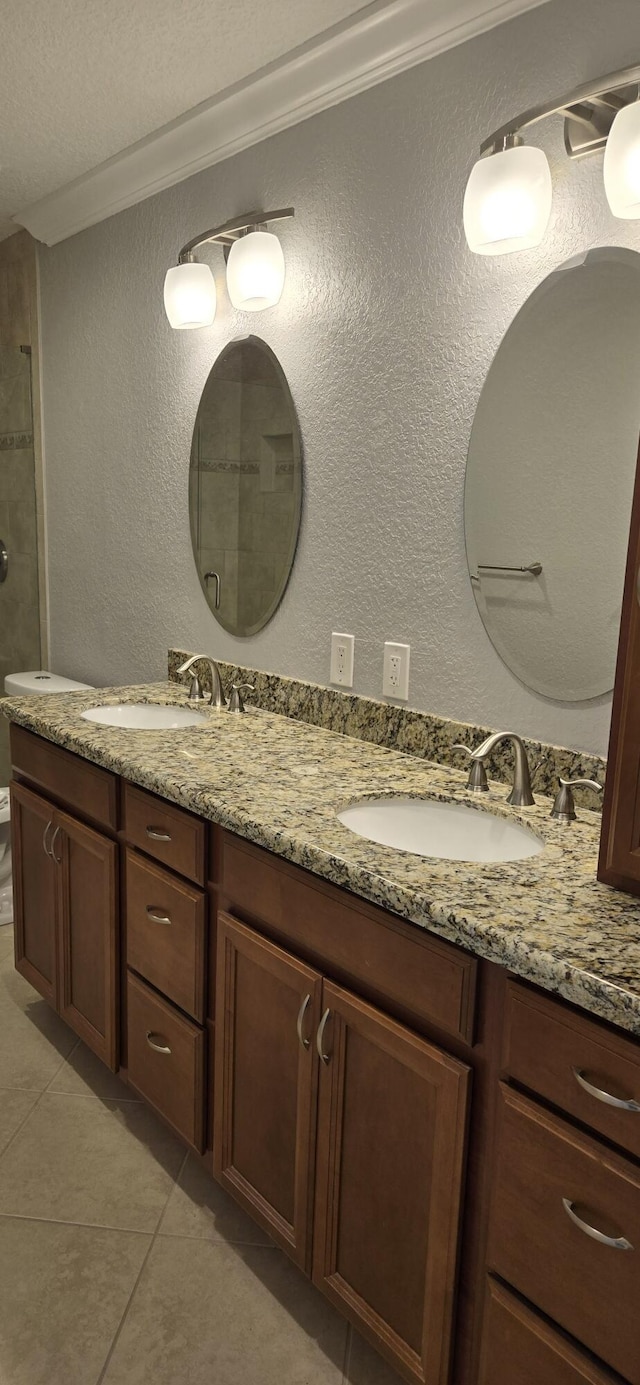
pixel 39 680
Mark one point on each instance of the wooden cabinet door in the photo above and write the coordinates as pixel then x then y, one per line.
pixel 34 876
pixel 265 1089
pixel 391 1136
pixel 87 903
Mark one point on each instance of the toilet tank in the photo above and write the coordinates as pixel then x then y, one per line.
pixel 39 680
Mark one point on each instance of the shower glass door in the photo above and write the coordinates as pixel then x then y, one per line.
pixel 19 587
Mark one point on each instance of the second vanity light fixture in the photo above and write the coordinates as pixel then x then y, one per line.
pixel 255 271
pixel 507 203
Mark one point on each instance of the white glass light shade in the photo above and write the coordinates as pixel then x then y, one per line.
pixel 190 295
pixel 622 163
pixel 255 271
pixel 507 203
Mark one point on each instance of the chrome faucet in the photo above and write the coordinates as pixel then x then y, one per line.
pixel 521 795
pixel 217 698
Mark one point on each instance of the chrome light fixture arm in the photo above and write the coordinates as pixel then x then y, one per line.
pixel 589 111
pixel 231 231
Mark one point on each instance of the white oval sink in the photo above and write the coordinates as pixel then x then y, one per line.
pixel 449 831
pixel 145 716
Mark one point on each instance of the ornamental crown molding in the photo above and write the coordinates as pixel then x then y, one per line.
pixel 375 44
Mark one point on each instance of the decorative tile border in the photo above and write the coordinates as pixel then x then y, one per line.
pixel 10 442
pixel 423 734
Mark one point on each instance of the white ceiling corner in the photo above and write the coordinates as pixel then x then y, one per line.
pixel 377 42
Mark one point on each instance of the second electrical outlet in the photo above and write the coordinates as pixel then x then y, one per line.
pixel 341 671
pixel 395 671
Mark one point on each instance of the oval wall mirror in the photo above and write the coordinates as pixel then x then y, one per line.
pixel 550 473
pixel 245 486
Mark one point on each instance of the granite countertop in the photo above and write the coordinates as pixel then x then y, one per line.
pixel 280 782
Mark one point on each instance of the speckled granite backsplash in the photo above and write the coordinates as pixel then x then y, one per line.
pixel 398 728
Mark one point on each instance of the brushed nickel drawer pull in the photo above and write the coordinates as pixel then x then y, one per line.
pixel 155 916
pixel 324 1057
pixel 47 850
pixel 600 1095
pixel 57 859
pixel 157 835
pixel 158 1048
pixel 300 1021
pixel 616 1242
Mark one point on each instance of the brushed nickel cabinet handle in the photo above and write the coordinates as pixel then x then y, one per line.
pixel 155 916
pixel 158 1048
pixel 600 1095
pixel 157 835
pixel 300 1021
pixel 616 1242
pixel 57 859
pixel 324 1057
pixel 47 850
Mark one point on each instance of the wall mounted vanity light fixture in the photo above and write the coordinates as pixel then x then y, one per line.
pixel 507 202
pixel 255 270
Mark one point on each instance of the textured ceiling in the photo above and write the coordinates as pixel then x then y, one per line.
pixel 80 80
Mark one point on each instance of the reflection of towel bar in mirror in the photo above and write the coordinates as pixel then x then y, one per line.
pixel 215 575
pixel 534 568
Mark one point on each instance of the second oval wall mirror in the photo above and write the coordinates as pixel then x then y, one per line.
pixel 550 474
pixel 245 486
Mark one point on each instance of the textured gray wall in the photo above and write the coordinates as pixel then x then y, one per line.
pixel 386 330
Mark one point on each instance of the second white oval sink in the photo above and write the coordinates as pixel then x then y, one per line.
pixel 145 716
pixel 447 831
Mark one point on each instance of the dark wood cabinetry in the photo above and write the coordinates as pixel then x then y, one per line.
pixel 405 1121
pixel 387 1155
pixel 267 1012
pixel 391 1137
pixel 67 918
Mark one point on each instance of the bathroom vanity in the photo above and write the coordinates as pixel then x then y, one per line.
pixel 450 1151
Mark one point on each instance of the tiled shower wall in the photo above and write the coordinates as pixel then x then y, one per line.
pixel 19 594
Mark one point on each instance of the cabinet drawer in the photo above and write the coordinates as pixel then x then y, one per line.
pixel 590 1288
pixel 166 1061
pixel 68 778
pixel 169 834
pixel 387 960
pixel 166 933
pixel 554 1052
pixel 518 1346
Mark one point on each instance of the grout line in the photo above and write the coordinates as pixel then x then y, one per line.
pixel 83 1225
pixel 64 1060
pixel 173 1188
pixel 120 1327
pixel 347 1355
pixel 22 1123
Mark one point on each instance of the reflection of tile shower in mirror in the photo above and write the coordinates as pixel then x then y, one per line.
pixel 245 486
pixel 550 476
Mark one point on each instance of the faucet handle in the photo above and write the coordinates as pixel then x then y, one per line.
pixel 564 807
pixel 236 703
pixel 195 693
pixel 477 781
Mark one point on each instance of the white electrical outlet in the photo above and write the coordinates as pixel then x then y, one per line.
pixel 395 671
pixel 341 671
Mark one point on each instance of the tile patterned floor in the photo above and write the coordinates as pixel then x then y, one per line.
pixel 121 1262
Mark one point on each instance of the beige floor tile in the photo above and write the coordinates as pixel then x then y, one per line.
pixel 79 1159
pixel 34 1041
pixel 204 1312
pixel 63 1290
pixel 198 1206
pixel 6 941
pixel 14 1109
pixel 84 1075
pixel 366 1367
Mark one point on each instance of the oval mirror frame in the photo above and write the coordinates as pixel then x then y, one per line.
pixel 256 459
pixel 547 507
